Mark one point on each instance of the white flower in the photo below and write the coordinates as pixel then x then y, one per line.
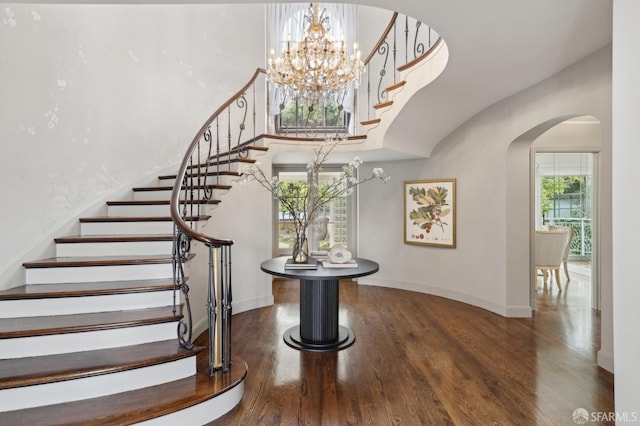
pixel 378 172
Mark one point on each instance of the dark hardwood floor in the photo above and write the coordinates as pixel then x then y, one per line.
pixel 423 360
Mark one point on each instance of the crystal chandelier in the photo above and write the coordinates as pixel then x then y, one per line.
pixel 316 69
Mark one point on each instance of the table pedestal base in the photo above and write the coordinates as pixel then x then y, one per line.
pixel 319 330
pixel 345 339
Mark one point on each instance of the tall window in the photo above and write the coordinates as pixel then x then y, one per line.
pixel 334 224
pixel 286 22
pixel 564 194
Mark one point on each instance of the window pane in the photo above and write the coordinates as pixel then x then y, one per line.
pixel 335 215
pixel 299 117
pixel 333 224
pixel 285 221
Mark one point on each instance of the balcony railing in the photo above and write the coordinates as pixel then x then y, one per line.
pixel 581 243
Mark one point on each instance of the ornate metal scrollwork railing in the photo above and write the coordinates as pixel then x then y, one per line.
pixel 216 146
pixel 382 64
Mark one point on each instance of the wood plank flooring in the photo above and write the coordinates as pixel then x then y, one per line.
pixel 423 360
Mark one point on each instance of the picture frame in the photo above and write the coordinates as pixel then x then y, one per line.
pixel 430 212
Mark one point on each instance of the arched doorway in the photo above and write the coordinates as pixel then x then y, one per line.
pixel 565 161
pixel 571 134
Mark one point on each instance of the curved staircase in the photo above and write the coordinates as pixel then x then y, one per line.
pixel 91 338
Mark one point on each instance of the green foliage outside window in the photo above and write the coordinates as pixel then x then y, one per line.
pixel 552 187
pixel 298 116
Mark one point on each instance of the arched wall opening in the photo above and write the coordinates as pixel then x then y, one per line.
pixel 566 134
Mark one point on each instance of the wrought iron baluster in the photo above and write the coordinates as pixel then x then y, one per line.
pixel 241 102
pixel 227 309
pixel 369 106
pixel 212 312
pixel 254 113
pixel 395 51
pixel 181 246
pixel 228 137
pixel 384 51
pixel 207 191
pixel 406 39
pixel 188 180
pixel 418 48
pixel 217 151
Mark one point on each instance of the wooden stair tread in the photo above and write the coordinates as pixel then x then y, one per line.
pixel 210 173
pixel 245 147
pixel 76 261
pixel 396 86
pixel 170 188
pixel 137 405
pixel 40 291
pixel 98 219
pixel 59 367
pixel 158 202
pixel 383 105
pixel 112 238
pixel 373 121
pixel 217 162
pixel 74 323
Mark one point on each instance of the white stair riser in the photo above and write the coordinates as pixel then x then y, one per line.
pixel 203 413
pixel 151 195
pixel 21 347
pixel 95 386
pixel 98 273
pixel 125 248
pixel 138 211
pixel 126 228
pixel 166 195
pixel 84 304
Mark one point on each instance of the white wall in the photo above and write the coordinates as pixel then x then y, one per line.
pixel 626 204
pixel 238 218
pixel 490 266
pixel 96 97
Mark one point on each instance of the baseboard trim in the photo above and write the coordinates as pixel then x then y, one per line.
pixel 513 311
pixel 605 360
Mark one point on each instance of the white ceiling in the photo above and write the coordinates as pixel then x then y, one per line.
pixel 497 48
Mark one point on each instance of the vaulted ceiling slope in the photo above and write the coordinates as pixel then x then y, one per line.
pixel 497 48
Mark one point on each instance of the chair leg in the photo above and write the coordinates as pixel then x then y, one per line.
pixel 566 270
pixel 557 273
pixel 544 276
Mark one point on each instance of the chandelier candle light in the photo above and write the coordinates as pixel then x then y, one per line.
pixel 303 201
pixel 316 69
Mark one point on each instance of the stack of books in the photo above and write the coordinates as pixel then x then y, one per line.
pixel 311 264
pixel 348 264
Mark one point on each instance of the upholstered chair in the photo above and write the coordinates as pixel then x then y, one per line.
pixel 549 251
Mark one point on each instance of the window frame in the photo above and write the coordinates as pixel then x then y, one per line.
pixel 351 209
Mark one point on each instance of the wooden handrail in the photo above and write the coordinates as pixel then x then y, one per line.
pixel 409 64
pixel 382 38
pixel 177 186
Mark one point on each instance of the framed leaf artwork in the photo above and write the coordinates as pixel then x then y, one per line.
pixel 430 212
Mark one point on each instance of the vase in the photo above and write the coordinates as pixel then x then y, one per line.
pixel 300 247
